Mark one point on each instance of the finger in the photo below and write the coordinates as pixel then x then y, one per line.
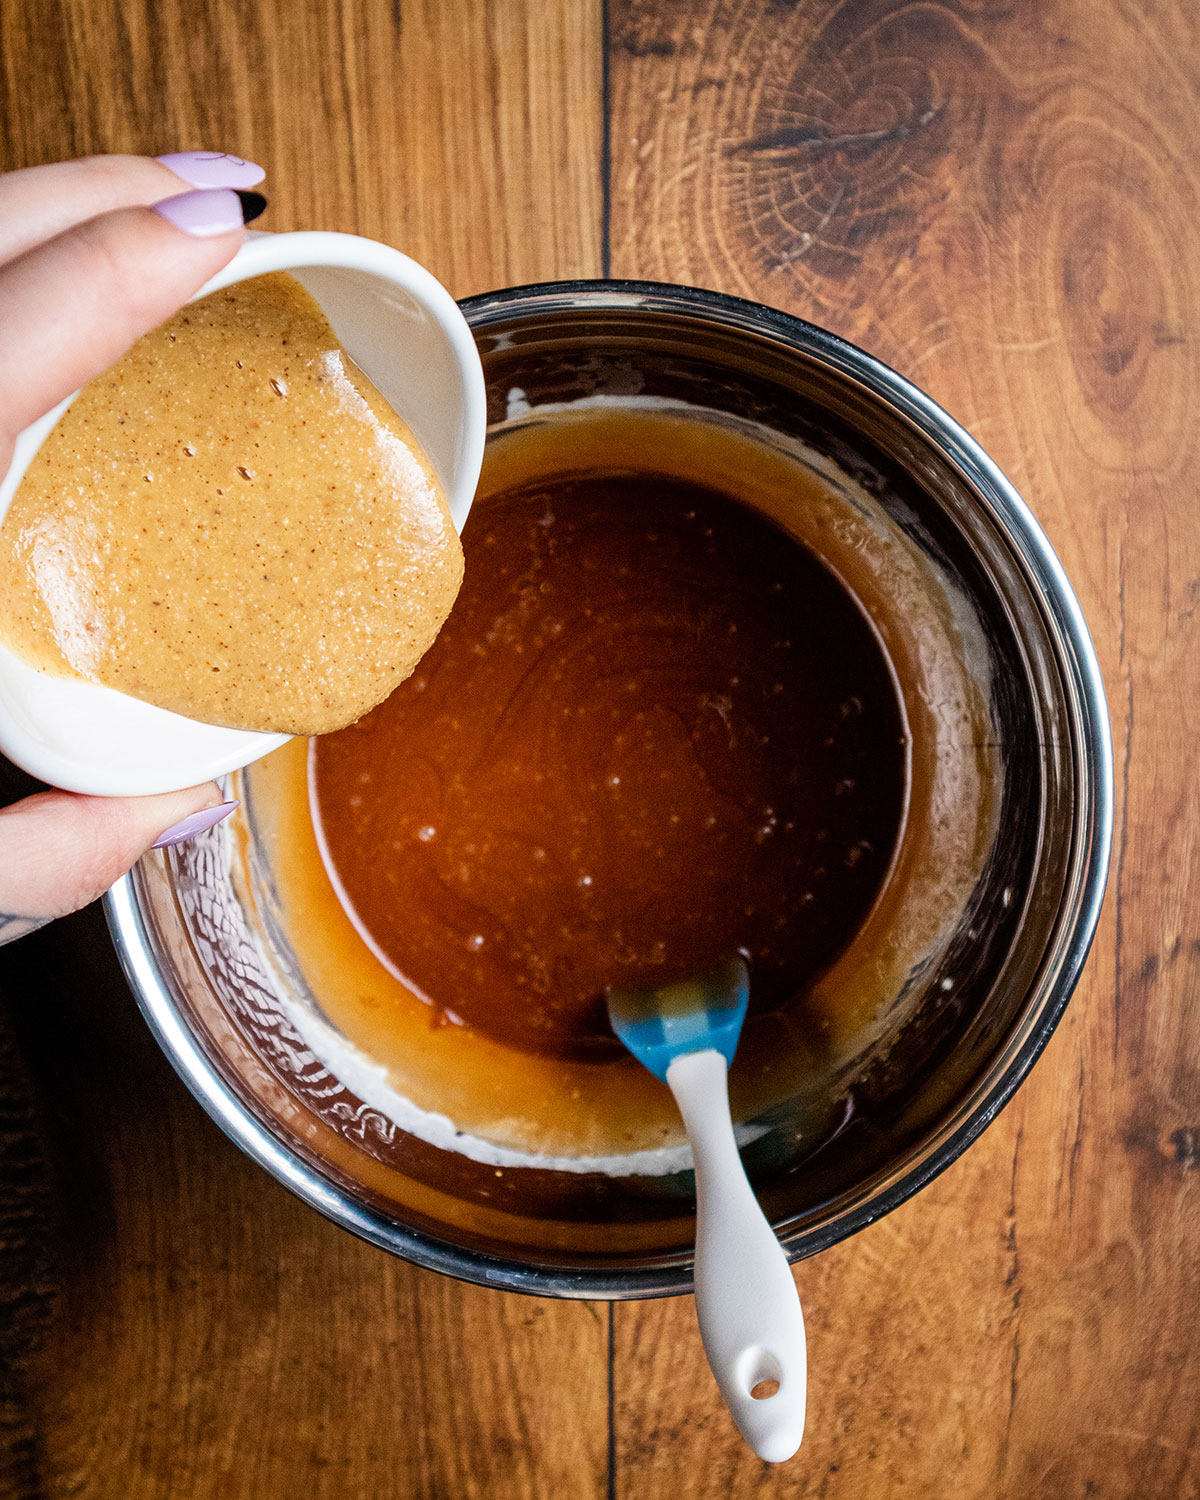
pixel 71 307
pixel 58 850
pixel 41 202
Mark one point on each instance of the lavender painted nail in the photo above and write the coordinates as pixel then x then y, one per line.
pixel 213 169
pixel 209 212
pixel 188 828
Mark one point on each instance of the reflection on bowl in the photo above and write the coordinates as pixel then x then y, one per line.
pixel 1002 863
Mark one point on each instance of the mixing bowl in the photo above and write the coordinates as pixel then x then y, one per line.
pixel 207 954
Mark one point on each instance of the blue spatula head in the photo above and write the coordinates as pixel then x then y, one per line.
pixel 659 1025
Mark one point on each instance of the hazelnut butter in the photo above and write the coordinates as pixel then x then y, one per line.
pixel 232 523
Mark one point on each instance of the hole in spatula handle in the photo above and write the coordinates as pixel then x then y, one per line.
pixel 760 1372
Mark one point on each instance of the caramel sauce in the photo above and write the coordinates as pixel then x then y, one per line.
pixel 656 730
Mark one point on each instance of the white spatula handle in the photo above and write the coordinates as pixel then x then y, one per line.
pixel 746 1300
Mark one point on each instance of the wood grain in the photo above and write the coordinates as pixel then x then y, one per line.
pixel 212 1337
pixel 1000 201
pixel 467 135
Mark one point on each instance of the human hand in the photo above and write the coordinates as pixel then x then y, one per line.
pixel 93 254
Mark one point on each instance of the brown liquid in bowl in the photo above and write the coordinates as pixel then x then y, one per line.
pixel 656 729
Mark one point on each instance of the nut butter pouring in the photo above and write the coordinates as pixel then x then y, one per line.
pixel 233 524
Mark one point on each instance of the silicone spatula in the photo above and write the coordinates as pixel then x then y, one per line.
pixel 746 1301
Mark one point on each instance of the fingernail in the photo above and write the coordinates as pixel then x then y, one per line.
pixel 189 827
pixel 213 169
pixel 254 205
pixel 211 211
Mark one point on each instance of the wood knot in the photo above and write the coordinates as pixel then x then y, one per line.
pixel 846 158
pixel 1113 292
pixel 1185 1146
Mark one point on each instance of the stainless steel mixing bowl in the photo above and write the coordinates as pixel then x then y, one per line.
pixel 193 949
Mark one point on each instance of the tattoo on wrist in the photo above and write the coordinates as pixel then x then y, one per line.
pixel 13 927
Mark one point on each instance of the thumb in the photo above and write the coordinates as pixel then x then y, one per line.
pixel 60 850
pixel 73 305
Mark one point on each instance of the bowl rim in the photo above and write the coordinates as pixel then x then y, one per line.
pixel 1070 940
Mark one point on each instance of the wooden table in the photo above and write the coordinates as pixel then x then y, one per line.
pixel 1000 198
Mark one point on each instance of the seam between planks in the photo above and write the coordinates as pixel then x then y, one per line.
pixel 605 147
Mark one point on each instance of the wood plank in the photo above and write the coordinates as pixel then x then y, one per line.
pixel 212 1335
pixel 467 135
pixel 1001 202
